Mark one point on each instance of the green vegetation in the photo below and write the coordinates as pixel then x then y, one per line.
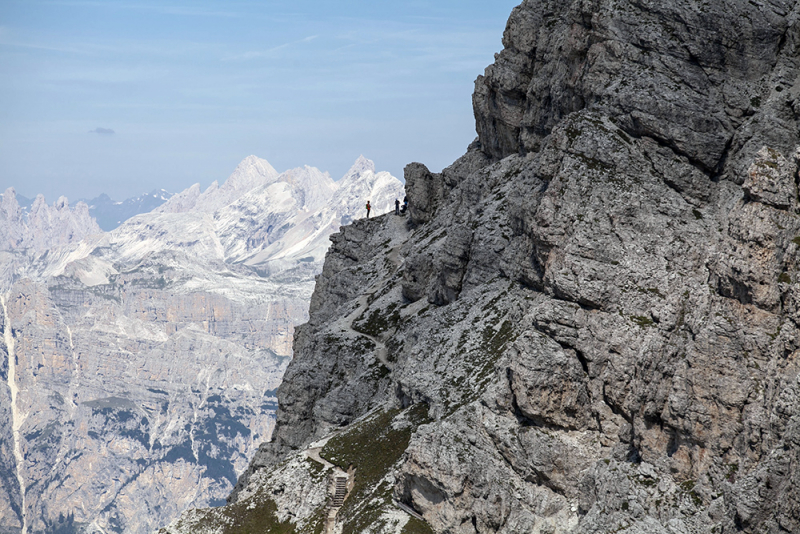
pixel 378 322
pixel 372 447
pixel 642 321
pixel 573 133
pixel 651 291
pixel 647 482
pixel 732 470
pixel 315 469
pixel 253 516
pixel 776 334
pixel 687 488
pixel 480 347
pixel 595 164
pixel 785 278
pixel 415 526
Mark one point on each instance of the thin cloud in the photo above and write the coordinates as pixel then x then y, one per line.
pixel 35 46
pixel 102 131
pixel 162 9
pixel 269 52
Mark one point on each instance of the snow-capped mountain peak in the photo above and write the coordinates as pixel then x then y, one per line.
pixel 361 166
pixel 252 172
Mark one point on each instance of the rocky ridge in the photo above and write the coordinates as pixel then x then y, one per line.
pixel 139 366
pixel 43 226
pixel 589 322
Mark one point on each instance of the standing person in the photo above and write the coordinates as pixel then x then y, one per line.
pixel 368 208
pixel 396 207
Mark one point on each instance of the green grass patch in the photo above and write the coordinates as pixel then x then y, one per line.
pixel 642 321
pixel 651 291
pixel 315 469
pixel 687 488
pixel 378 322
pixel 730 476
pixel 372 447
pixel 415 526
pixel 253 516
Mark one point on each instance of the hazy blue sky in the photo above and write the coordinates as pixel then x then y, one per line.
pixel 124 96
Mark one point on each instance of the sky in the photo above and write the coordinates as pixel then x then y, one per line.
pixel 126 96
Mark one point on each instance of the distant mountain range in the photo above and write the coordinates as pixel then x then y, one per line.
pixel 110 213
pixel 139 365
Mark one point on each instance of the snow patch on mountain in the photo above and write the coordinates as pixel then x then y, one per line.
pixel 252 172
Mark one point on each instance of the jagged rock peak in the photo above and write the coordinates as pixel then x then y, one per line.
pixel 361 166
pixel 251 172
pixel 44 226
pixel 10 205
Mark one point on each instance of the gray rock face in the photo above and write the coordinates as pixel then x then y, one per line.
pixel 715 82
pixel 597 305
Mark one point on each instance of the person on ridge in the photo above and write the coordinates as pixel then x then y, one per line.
pixel 368 208
pixel 396 207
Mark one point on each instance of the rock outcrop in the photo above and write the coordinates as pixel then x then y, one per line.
pixel 589 323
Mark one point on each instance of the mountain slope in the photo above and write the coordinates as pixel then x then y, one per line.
pixel 590 322
pixel 139 366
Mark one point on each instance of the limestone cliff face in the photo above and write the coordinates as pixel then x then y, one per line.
pixel 596 308
pixel 713 81
pixel 131 400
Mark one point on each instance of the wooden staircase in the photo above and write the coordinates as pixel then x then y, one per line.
pixel 340 491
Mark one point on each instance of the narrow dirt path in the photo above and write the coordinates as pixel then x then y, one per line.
pixel 341 482
pixel 381 352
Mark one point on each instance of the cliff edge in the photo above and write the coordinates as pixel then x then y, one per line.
pixel 589 322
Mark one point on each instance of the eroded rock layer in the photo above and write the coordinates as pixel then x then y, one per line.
pixel 597 306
